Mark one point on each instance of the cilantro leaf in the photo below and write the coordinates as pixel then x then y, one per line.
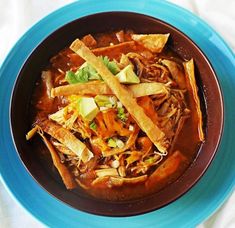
pixel 87 72
pixel 93 74
pixel 82 75
pixel 111 65
pixel 71 77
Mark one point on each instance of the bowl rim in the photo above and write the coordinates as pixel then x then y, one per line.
pixel 172 199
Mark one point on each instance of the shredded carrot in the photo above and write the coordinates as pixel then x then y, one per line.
pixel 113 124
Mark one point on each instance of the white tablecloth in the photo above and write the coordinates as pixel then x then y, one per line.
pixel 16 16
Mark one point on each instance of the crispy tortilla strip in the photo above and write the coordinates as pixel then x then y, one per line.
pixel 97 88
pixel 126 98
pixel 190 77
pixel 113 52
pixel 176 73
pixel 82 185
pixel 115 181
pixel 32 132
pixel 106 172
pixel 89 40
pixel 68 139
pixel 69 118
pixel 153 42
pixel 62 169
pixel 166 169
pixel 89 88
pixel 66 116
pixel 146 89
pixel 119 181
pixel 62 148
pixel 100 181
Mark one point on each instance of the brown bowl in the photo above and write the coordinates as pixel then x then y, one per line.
pixel 46 175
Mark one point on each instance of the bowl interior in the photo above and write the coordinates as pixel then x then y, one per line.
pixel 44 172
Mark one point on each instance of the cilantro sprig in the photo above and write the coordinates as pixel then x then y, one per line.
pixel 111 65
pixel 88 73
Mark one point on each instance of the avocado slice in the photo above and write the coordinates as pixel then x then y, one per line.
pixel 87 108
pixel 128 76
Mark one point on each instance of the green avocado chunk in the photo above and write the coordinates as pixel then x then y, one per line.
pixel 87 108
pixel 128 76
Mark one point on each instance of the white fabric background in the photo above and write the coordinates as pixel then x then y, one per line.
pixel 16 16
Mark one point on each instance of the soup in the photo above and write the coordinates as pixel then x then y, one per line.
pixel 119 114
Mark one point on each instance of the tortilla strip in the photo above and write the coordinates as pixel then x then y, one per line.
pixel 190 77
pixel 126 98
pixel 62 148
pixel 176 73
pixel 112 51
pixel 119 181
pixel 106 172
pixel 167 168
pixel 67 178
pixel 97 88
pixel 67 138
pixel 32 132
pixel 92 87
pixel 153 42
pixel 115 181
pixel 146 89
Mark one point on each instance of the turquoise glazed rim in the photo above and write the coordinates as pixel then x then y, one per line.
pixel 189 210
